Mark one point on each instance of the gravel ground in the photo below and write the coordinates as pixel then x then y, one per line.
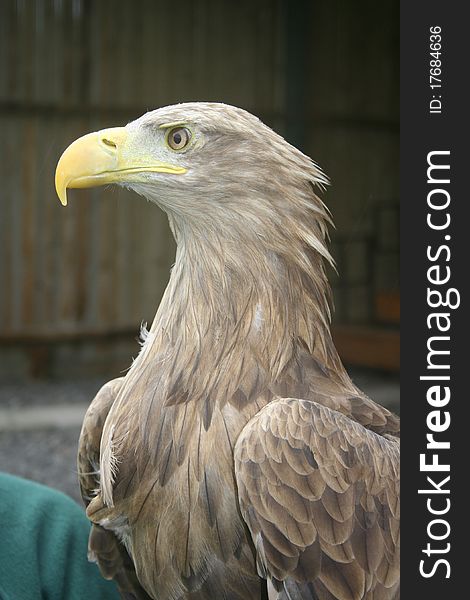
pixel 37 393
pixel 47 454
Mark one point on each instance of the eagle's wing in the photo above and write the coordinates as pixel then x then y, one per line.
pixel 320 495
pixel 103 546
pixel 88 458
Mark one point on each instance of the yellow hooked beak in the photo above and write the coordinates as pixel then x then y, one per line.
pixel 106 156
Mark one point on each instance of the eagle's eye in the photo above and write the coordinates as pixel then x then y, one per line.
pixel 178 138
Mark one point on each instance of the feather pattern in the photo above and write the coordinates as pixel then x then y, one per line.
pixel 339 528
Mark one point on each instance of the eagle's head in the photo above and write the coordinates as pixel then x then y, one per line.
pixel 213 168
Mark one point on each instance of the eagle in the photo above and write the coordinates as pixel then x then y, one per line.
pixel 235 459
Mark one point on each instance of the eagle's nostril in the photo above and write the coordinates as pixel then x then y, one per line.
pixel 109 143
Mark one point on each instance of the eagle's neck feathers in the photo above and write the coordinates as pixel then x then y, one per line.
pixel 240 302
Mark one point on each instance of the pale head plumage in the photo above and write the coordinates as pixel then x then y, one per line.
pixel 243 180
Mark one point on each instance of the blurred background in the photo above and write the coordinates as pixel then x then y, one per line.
pixel 76 283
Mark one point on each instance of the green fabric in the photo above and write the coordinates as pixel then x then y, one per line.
pixel 43 546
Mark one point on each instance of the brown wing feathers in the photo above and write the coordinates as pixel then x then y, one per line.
pixel 319 493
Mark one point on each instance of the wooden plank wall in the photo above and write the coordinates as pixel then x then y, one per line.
pixel 352 117
pixel 71 66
